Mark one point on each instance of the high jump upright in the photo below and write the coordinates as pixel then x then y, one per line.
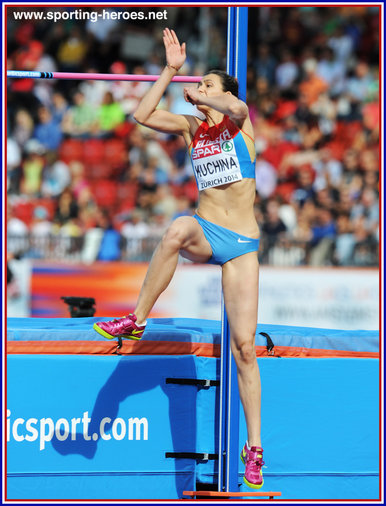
pixel 228 463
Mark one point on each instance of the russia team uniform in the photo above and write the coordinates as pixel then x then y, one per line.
pixel 223 154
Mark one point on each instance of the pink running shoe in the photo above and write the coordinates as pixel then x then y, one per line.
pixel 121 327
pixel 253 460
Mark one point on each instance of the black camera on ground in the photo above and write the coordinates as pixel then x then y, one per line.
pixel 80 306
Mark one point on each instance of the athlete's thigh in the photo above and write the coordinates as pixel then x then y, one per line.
pixel 240 283
pixel 195 246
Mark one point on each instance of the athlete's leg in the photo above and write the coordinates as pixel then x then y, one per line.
pixel 240 280
pixel 184 236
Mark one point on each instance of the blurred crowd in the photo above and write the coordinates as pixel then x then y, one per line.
pixel 86 182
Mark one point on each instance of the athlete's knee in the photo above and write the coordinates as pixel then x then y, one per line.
pixel 174 236
pixel 244 351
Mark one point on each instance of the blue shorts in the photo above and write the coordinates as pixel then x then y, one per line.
pixel 225 243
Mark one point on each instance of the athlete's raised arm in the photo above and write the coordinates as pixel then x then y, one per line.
pixel 146 112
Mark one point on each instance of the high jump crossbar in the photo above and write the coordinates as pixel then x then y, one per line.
pixel 96 76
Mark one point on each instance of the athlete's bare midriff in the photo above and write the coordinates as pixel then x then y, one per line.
pixel 231 206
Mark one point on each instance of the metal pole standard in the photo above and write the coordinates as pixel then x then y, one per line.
pixel 229 393
pixel 96 77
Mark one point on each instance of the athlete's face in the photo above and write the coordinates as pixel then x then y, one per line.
pixel 211 86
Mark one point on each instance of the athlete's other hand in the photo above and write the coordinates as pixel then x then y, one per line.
pixel 192 95
pixel 175 52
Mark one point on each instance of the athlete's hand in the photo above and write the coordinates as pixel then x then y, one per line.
pixel 192 95
pixel 175 52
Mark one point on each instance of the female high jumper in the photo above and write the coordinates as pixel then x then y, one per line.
pixel 223 231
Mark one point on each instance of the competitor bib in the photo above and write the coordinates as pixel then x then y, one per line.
pixel 215 161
